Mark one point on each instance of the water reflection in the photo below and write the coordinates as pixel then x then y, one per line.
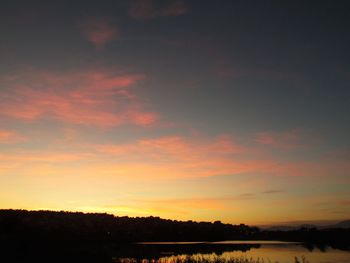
pixel 227 251
pixel 248 252
pixel 159 250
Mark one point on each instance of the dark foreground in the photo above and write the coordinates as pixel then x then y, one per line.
pixel 166 253
pixel 65 236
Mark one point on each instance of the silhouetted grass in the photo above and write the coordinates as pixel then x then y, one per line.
pixel 205 258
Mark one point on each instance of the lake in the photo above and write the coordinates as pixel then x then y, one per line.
pixel 172 252
pixel 229 251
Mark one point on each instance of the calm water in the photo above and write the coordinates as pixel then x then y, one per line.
pixel 227 251
pixel 270 251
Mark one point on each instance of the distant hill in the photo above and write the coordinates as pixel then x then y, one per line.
pixel 280 228
pixel 343 224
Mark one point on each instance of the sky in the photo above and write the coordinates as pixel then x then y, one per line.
pixel 190 110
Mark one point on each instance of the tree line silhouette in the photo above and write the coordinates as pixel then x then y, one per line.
pixel 26 225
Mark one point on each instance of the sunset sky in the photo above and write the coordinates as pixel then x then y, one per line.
pixel 236 111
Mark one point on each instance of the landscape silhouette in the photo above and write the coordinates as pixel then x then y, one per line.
pixel 101 236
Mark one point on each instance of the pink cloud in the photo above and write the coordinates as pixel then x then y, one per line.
pixel 91 97
pixel 148 9
pixel 143 10
pixel 285 140
pixel 177 147
pixel 99 31
pixel 176 157
pixel 345 202
pixel 142 118
pixel 209 157
pixel 10 137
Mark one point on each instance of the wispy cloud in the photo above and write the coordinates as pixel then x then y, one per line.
pixel 150 9
pixel 272 191
pixel 143 10
pixel 99 31
pixel 25 156
pixel 177 148
pixel 176 157
pixel 200 157
pixel 283 140
pixel 8 137
pixel 89 97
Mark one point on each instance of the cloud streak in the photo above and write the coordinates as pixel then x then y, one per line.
pixel 269 192
pixel 286 140
pixel 99 31
pixel 202 157
pixel 88 97
pixel 9 137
